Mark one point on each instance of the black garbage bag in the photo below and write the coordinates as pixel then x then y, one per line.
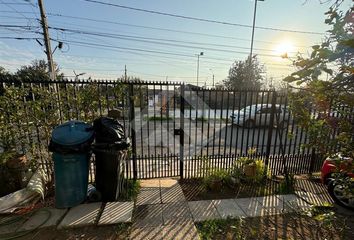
pixel 109 132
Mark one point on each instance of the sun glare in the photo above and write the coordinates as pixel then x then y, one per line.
pixel 284 49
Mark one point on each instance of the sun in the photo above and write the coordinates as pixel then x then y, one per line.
pixel 284 49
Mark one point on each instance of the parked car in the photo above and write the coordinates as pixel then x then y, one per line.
pixel 337 190
pixel 260 115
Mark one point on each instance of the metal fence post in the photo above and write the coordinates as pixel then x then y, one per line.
pixel 313 159
pixel 132 128
pixel 270 128
pixel 181 136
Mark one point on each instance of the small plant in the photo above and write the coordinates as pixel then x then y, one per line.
pixel 217 179
pixel 252 167
pixel 211 228
pixel 324 214
pixel 131 191
pixel 287 185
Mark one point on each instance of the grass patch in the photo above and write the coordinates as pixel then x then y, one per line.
pixel 202 119
pixel 158 118
pixel 214 228
pixel 286 226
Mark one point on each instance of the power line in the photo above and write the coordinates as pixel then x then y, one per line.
pixel 200 19
pixel 132 37
pixel 153 28
pixel 158 41
pixel 14 9
pixel 11 3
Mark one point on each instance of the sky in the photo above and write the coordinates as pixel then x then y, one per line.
pixel 99 40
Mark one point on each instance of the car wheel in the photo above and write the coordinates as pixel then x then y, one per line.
pixel 249 123
pixel 339 196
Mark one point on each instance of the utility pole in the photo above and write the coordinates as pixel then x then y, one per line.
pixel 199 54
pixel 253 27
pixel 125 73
pixel 48 48
pixel 213 81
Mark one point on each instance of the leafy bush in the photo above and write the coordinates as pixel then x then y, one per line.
pixel 218 178
pixel 131 191
pixel 287 185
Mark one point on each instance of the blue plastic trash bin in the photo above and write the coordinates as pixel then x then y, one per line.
pixel 71 147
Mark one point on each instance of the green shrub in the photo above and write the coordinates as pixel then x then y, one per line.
pixel 131 191
pixel 219 176
pixel 287 185
pixel 159 118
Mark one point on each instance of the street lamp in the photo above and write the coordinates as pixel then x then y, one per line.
pixel 253 26
pixel 200 54
pixel 211 70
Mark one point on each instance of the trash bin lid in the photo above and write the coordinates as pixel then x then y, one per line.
pixel 72 133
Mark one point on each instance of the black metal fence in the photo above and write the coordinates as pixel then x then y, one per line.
pixel 173 126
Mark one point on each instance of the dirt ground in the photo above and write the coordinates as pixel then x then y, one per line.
pixel 194 190
pixel 288 226
pixel 116 232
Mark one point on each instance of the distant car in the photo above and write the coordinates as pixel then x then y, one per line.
pixel 335 188
pixel 260 115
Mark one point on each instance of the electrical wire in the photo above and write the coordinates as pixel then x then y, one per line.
pixel 200 19
pixel 157 40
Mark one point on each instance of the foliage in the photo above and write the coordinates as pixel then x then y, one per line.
pixel 208 229
pixel 243 75
pixel 217 177
pixel 131 191
pixel 287 185
pixel 326 83
pixel 260 170
pixel 38 70
pixel 344 166
pixel 202 119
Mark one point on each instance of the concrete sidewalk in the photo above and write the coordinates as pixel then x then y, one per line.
pixel 162 212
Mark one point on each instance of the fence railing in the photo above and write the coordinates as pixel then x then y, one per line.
pixel 172 125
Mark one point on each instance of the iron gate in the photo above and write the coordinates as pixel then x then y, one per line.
pixel 174 127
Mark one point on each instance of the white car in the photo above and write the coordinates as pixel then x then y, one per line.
pixel 260 115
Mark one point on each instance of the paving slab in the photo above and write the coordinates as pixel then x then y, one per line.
pixel 228 208
pixel 148 196
pixel 10 228
pixel 309 197
pixel 251 207
pixel 148 215
pixel 82 215
pixel 272 204
pixel 116 212
pixel 146 233
pixel 150 183
pixel 46 217
pixel 203 210
pixel 185 230
pixel 172 194
pixel 168 182
pixel 176 210
pixel 293 203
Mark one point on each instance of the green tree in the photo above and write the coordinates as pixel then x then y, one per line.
pixel 38 70
pixel 325 82
pixel 245 75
